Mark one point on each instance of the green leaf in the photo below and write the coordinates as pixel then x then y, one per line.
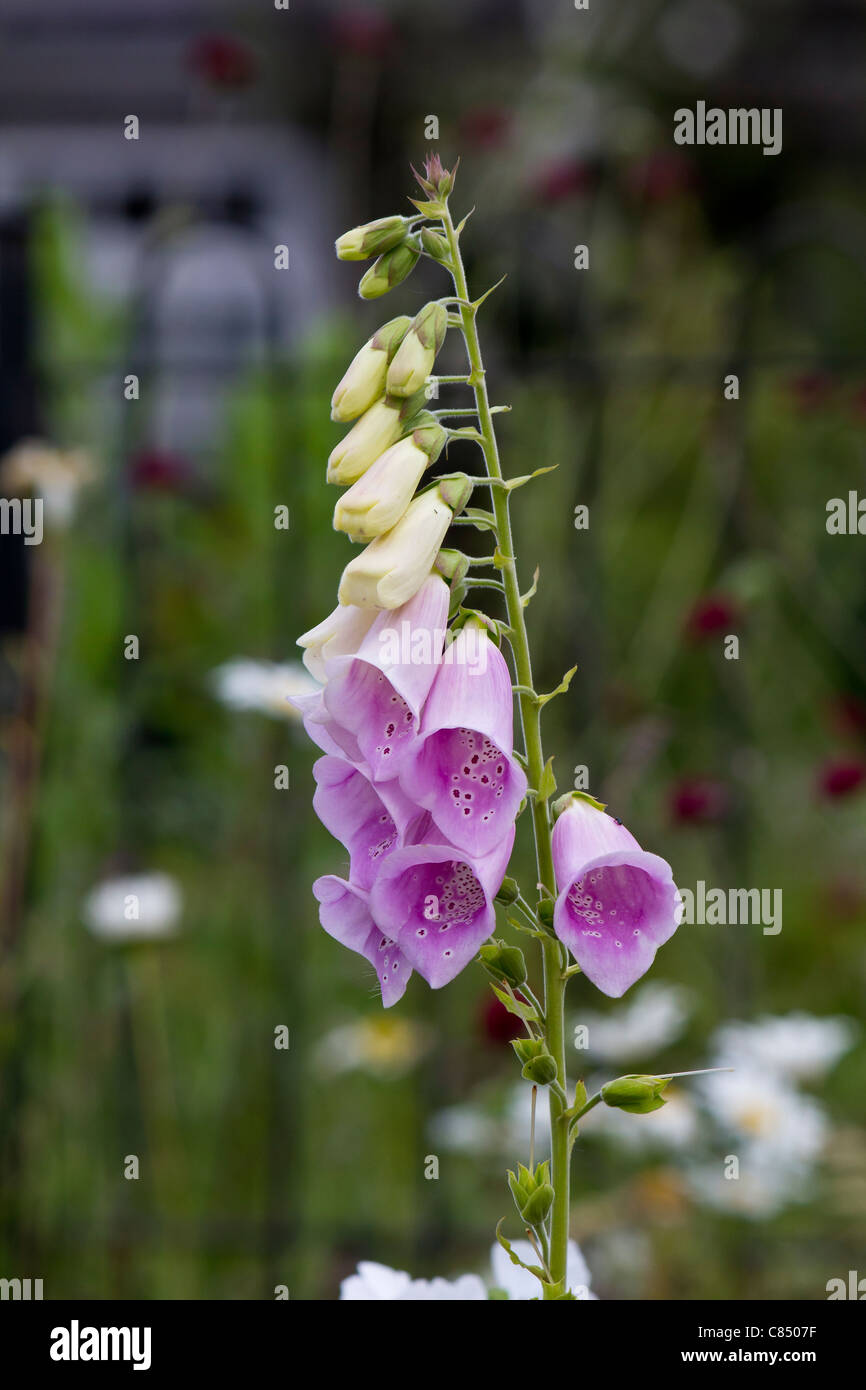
pixel 515 1259
pixel 547 785
pixel 560 689
pixel 429 209
pixel 514 1006
pixel 462 223
pixel 478 302
pixel 512 483
pixel 531 592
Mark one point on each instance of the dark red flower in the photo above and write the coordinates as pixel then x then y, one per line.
pixel 711 614
pixel 564 178
pixel 497 1024
pixel 154 470
pixel 223 60
pixel 843 899
pixel 660 176
pixel 858 404
pixel 485 127
pixel 847 714
pixel 841 777
pixel 363 31
pixel 698 801
pixel 811 390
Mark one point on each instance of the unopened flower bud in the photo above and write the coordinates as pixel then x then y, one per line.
pixel 504 962
pixel 377 429
pixel 453 565
pixel 434 244
pixel 394 566
pixel 532 1192
pixel 539 1205
pixel 456 488
pixel 379 498
pixel 364 380
pixel 509 891
pixel 391 269
pixel 413 360
pixel 544 912
pixel 636 1094
pixel 538 1064
pixel 372 239
pixel 437 180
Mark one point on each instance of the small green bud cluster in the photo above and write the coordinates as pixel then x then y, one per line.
pixel 532 1193
pixel 538 1064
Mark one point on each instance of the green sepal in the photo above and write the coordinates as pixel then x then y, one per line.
pixel 516 1006
pixel 566 799
pixel 503 962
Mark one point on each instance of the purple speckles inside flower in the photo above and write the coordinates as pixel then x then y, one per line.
pixel 437 904
pixel 446 909
pixel 390 723
pixel 470 786
pixel 617 903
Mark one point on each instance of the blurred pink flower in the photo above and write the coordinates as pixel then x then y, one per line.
pixel 840 777
pixel 223 60
pixel 661 175
pixel 485 127
pixel 363 30
pixel 698 801
pixel 811 390
pixel 847 715
pixel 497 1025
pixel 561 179
pixel 155 470
pixel 712 613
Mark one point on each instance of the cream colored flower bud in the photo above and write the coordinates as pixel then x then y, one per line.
pixel 372 239
pixel 394 566
pixel 364 379
pixel 377 500
pixel 378 428
pixel 413 360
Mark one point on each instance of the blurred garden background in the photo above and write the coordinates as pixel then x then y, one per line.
pixel 153 258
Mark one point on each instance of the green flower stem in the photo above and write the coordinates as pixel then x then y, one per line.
pixel 554 985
